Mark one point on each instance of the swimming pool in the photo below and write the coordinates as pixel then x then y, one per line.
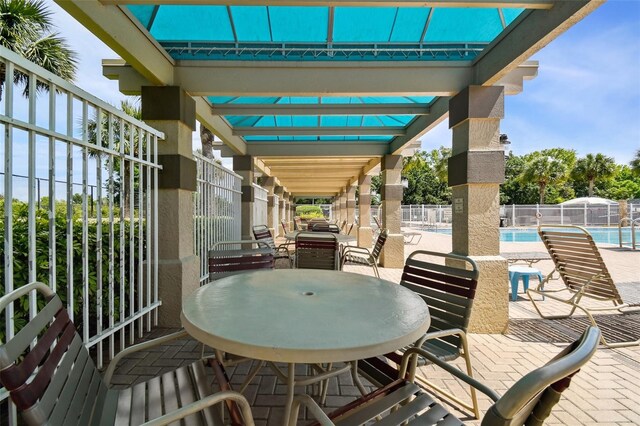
pixel 530 235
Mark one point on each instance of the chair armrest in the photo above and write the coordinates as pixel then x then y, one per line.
pixel 355 249
pixel 438 334
pixel 139 347
pixel 418 352
pixel 312 407
pixel 200 405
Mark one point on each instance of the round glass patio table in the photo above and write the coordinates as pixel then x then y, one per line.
pixel 305 316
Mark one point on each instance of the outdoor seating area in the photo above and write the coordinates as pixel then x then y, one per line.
pixel 285 272
pixel 435 378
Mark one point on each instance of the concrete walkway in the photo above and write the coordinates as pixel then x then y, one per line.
pixel 605 391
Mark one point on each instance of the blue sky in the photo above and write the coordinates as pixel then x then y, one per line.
pixel 586 95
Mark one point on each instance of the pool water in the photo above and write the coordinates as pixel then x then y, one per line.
pixel 530 235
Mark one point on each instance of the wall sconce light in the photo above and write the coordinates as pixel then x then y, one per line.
pixel 504 139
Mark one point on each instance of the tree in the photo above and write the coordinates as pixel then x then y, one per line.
pixel 593 167
pixel 206 138
pixel 635 164
pixel 439 159
pixel 543 170
pixel 25 28
pixel 133 110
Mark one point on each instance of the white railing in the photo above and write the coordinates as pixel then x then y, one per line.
pixel 82 178
pixel 432 216
pixel 260 205
pixel 426 215
pixel 216 208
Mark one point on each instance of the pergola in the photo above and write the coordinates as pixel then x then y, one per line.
pixel 317 95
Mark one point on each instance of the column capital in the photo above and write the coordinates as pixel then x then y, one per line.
pixel 476 102
pixel 242 163
pixel 391 162
pixel 364 180
pixel 168 103
pixel 278 190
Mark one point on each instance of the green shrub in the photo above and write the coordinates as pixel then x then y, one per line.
pixel 21 257
pixel 309 212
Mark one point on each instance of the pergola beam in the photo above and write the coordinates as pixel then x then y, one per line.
pixel 533 31
pixel 529 4
pixel 320 131
pixel 322 78
pixel 321 109
pixel 421 125
pixel 313 149
pixel 124 34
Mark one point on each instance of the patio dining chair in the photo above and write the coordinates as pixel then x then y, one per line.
pixel 235 257
pixel 52 379
pixel 326 227
pixel 316 251
pixel 584 275
pixel 449 292
pixel 364 256
pixel 528 402
pixel 285 228
pixel 262 233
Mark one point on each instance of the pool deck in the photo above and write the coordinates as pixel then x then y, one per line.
pixel 605 392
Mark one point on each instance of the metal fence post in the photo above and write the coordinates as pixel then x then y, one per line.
pixel 585 214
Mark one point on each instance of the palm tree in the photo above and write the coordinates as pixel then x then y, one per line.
pixel 593 167
pixel 635 164
pixel 206 139
pixel 133 110
pixel 25 28
pixel 543 170
pixel 440 159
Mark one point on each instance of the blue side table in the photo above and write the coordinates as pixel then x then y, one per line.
pixel 524 272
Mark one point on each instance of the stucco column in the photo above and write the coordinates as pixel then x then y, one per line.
pixel 269 184
pixel 243 165
pixel 351 209
pixel 476 170
pixel 287 211
pixel 172 111
pixel 365 233
pixel 343 206
pixel 279 191
pixel 391 192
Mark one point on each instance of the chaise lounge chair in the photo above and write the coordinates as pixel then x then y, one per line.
pixel 584 274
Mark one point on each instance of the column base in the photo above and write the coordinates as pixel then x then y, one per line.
pixel 365 237
pixel 490 313
pixel 177 279
pixel 393 253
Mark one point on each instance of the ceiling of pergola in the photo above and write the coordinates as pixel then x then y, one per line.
pixel 317 91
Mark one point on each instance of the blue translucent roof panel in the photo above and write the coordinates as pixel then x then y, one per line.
pixel 463 25
pixel 324 100
pixel 511 14
pixel 303 24
pixel 251 23
pixel 218 32
pixel 363 24
pixel 409 25
pixel 195 23
pixel 381 139
pixel 144 13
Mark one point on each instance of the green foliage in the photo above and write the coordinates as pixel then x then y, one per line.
pixel 593 169
pixel 309 212
pixel 543 170
pixel 635 164
pixel 25 28
pixel 21 256
pixel 608 180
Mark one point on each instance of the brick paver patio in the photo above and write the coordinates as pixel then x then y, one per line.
pixel 605 391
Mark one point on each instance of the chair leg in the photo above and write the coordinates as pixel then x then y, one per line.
pixel 375 270
pixel 467 360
